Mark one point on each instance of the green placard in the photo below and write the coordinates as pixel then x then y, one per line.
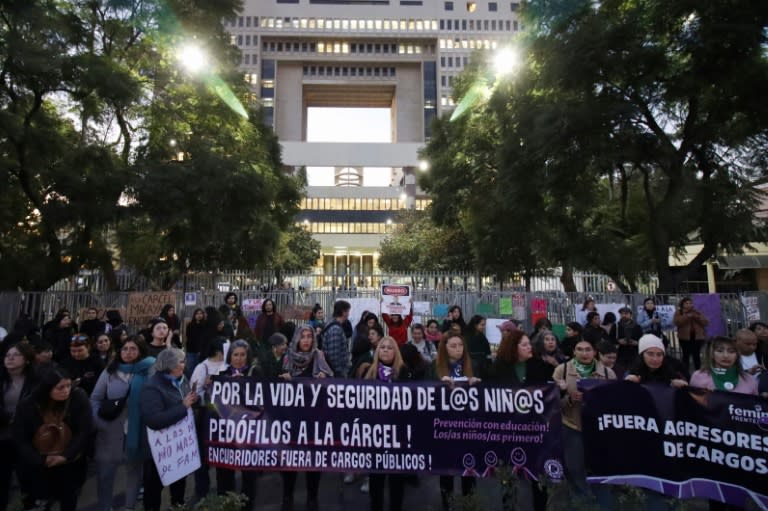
pixel 505 306
pixel 484 309
pixel 559 330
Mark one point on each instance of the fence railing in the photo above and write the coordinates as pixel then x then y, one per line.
pixel 249 280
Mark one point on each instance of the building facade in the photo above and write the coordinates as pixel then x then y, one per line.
pixel 400 55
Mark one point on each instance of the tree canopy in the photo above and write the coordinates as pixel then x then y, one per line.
pixel 630 130
pixel 114 153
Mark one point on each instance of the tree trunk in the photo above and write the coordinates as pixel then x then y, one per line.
pixel 566 277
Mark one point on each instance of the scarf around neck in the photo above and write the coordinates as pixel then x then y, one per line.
pixel 140 372
pixel 385 373
pixel 584 370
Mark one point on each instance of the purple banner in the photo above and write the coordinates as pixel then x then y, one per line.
pixel 709 305
pixel 685 443
pixel 367 426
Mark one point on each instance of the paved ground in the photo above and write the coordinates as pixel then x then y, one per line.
pixel 337 496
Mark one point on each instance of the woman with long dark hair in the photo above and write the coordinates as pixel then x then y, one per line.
pixel 195 340
pixel 121 439
pixel 240 363
pixel 453 365
pixel 478 346
pixel 52 430
pixel 268 322
pixel 17 378
pixel 691 332
pixel 168 313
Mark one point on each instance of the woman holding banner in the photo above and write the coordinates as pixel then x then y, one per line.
pixel 165 400
pixel 722 370
pixel 653 366
pixel 120 433
pixel 515 365
pixel 454 365
pixel 240 362
pixel 583 365
pixel 303 360
pixel 387 367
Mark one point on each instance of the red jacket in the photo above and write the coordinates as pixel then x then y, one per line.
pixel 399 332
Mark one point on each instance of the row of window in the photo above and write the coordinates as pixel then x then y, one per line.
pixel 446 80
pixel 468 44
pixel 353 71
pixel 478 25
pixel 334 24
pixel 249 59
pixel 460 62
pixel 360 204
pixel 351 204
pixel 472 6
pixel 348 227
pixel 346 48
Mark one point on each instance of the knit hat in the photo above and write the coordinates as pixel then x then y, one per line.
pixel 650 341
pixel 508 326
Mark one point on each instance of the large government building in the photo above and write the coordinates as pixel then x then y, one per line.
pixel 397 55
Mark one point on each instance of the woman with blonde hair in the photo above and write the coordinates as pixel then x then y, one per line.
pixel 387 367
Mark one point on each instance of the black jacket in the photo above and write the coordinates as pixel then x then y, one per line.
pixel 28 419
pixel 162 403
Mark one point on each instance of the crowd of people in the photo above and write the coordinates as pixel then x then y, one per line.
pixel 74 394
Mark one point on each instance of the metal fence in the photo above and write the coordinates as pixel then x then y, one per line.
pixel 250 280
pixel 560 307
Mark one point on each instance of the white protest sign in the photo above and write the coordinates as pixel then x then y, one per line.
pixel 666 315
pixel 492 331
pixel 602 308
pixel 174 450
pixel 421 312
pixel 358 305
pixel 395 299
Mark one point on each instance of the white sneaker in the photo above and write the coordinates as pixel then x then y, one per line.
pixel 349 478
pixel 365 486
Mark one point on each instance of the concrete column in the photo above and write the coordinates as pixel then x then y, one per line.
pixel 409 178
pixel 711 277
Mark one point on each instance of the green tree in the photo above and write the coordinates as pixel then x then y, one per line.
pixel 633 129
pixel 93 98
pixel 297 250
pixel 417 244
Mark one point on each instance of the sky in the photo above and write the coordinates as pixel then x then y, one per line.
pixel 349 125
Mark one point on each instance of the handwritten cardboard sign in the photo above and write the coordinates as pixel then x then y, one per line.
pixel 174 450
pixel 144 306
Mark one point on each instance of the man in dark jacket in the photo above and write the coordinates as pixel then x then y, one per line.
pixel 628 334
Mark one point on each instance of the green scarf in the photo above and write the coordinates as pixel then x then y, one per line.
pixel 725 379
pixel 585 371
pixel 520 371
